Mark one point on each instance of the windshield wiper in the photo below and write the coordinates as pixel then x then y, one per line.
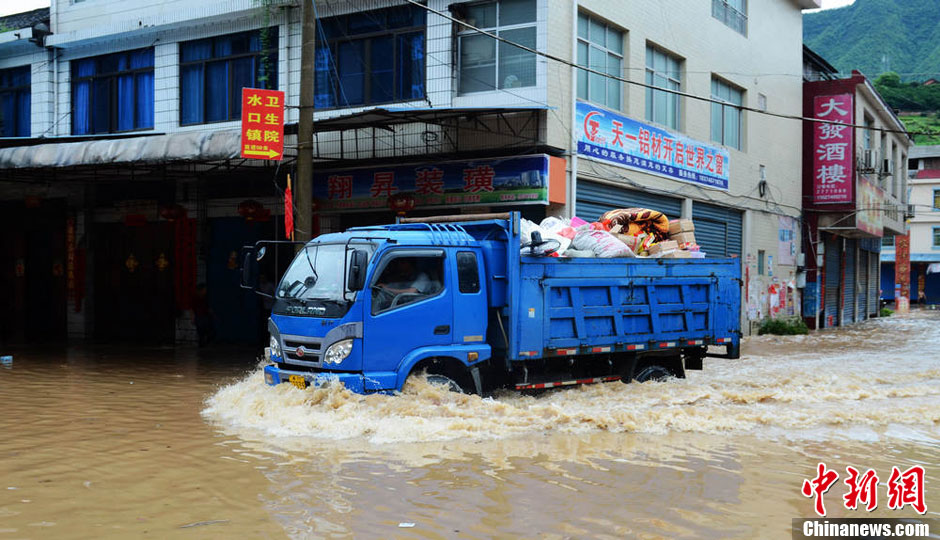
pixel 313 270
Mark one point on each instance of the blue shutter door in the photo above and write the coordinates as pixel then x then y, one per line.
pixel 851 251
pixel 718 229
pixel 594 199
pixel 832 276
pixel 862 294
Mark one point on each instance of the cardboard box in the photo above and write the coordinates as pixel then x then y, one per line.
pixel 661 247
pixel 678 254
pixel 683 238
pixel 677 226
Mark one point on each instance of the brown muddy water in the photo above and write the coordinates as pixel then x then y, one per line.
pixel 163 443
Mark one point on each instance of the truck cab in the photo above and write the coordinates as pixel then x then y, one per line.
pixel 420 296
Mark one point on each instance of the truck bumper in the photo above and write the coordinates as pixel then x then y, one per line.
pixel 360 383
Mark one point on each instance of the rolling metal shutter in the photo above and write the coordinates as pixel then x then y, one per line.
pixel 874 270
pixel 833 274
pixel 718 229
pixel 594 199
pixel 851 251
pixel 863 270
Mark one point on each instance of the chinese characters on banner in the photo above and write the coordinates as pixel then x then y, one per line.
pixel 902 272
pixel 519 180
pixel 617 139
pixel 262 124
pixel 905 488
pixel 833 172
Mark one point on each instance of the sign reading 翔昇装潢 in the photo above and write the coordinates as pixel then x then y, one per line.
pixel 491 182
pixel 262 124
pixel 833 174
pixel 614 138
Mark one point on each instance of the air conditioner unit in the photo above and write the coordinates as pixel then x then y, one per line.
pixel 866 162
pixel 887 168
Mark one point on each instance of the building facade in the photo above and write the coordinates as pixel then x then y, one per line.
pixel 131 161
pixel 923 231
pixel 854 194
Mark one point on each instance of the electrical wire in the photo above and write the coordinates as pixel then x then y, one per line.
pixel 657 88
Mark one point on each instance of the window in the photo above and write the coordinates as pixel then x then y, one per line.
pixel 662 70
pixel 15 102
pixel 936 237
pixel 731 12
pixel 213 72
pixel 488 64
pixel 726 120
pixel 600 47
pixel 406 279
pixel 113 92
pixel 370 57
pixel 887 241
pixel 468 274
pixel 866 135
pixel 760 262
pixel 936 200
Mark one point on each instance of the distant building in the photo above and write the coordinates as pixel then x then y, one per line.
pixel 854 194
pixel 924 227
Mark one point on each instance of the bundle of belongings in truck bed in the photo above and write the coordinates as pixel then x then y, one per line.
pixel 626 232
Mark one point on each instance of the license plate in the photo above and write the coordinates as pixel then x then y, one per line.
pixel 298 380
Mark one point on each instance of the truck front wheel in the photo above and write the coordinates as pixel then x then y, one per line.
pixel 445 381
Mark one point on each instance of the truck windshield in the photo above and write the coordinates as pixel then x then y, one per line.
pixel 315 282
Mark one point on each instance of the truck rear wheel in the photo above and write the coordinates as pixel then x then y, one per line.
pixel 652 372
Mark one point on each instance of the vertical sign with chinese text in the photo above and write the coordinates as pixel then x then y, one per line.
pixel 833 173
pixel 262 124
pixel 902 271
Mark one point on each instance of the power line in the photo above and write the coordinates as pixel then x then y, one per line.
pixel 661 89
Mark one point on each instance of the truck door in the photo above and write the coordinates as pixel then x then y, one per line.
pixel 470 300
pixel 410 305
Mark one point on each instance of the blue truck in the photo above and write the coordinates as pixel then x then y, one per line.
pixel 458 299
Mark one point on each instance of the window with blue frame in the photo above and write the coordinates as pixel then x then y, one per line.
pixel 113 92
pixel 936 200
pixel 14 102
pixel 214 70
pixel 371 57
pixel 936 237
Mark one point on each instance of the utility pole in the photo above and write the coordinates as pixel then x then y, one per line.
pixel 303 186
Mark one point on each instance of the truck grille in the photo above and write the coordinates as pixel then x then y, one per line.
pixel 301 350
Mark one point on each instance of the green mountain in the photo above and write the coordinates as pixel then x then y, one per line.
pixel 875 36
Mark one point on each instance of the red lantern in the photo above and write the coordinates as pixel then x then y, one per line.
pixel 250 209
pixel 401 202
pixel 172 212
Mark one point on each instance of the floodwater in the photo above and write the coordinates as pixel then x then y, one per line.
pixel 164 443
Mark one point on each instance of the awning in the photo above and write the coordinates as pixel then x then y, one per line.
pixel 200 146
pixel 387 117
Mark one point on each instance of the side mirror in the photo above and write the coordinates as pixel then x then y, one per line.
pixel 261 251
pixel 249 278
pixel 357 270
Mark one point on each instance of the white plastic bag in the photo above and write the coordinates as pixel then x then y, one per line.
pixel 553 224
pixel 602 243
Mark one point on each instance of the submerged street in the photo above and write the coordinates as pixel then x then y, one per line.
pixel 183 443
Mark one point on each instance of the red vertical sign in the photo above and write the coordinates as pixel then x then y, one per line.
pixel 262 124
pixel 833 173
pixel 902 266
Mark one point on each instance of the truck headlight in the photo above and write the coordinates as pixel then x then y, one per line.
pixel 338 352
pixel 275 346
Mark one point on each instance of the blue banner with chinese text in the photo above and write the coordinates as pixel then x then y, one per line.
pixel 614 138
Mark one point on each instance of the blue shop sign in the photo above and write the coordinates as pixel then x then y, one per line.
pixel 613 138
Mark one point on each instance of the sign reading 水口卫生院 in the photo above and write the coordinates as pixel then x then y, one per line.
pixel 611 137
pixel 262 124
pixel 833 173
pixel 491 182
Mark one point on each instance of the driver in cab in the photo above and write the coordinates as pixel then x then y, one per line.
pixel 401 277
